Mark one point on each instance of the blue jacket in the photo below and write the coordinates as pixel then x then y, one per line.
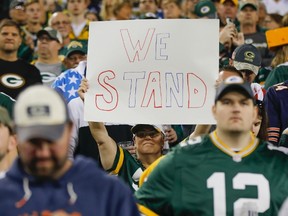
pixel 84 190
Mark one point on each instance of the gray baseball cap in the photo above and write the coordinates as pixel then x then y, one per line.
pixel 15 4
pixel 44 117
pixel 234 83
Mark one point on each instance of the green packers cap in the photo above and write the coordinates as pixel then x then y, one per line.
pixel 139 127
pixel 244 4
pixel 247 57
pixel 52 33
pixel 44 117
pixel 234 83
pixel 205 8
pixel 5 119
pixel 75 47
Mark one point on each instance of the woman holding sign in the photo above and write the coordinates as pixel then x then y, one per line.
pixel 148 140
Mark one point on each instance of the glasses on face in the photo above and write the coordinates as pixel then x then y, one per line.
pixel 44 38
pixel 143 134
pixel 58 23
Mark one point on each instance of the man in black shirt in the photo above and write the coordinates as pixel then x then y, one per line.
pixel 15 74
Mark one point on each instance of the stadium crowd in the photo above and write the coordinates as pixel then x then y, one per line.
pixel 53 162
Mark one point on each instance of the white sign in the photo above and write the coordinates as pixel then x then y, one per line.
pixel 152 71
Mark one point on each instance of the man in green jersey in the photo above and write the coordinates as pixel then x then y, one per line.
pixel 228 172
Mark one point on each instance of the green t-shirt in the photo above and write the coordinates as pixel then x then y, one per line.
pixel 127 168
pixel 202 177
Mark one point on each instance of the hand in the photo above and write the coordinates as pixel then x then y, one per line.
pixel 170 135
pixel 238 40
pixel 200 130
pixel 131 149
pixel 29 42
pixel 83 87
pixel 227 33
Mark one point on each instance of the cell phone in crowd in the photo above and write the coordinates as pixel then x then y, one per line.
pixel 228 20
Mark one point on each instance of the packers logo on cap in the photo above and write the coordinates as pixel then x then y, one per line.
pixel 249 56
pixel 205 10
pixel 74 44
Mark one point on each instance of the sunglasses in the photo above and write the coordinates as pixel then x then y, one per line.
pixel 143 134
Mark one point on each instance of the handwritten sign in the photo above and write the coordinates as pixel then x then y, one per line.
pixel 152 71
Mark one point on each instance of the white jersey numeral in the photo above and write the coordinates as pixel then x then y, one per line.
pixel 241 206
pixel 217 182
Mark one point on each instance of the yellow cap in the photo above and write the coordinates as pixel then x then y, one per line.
pixel 234 1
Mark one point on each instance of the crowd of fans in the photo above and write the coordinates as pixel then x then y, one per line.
pixel 46 42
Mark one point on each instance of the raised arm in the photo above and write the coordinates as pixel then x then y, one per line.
pixel 200 130
pixel 107 146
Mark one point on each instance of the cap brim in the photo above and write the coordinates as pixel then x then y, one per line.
pixel 138 127
pixel 246 66
pixel 48 132
pixel 44 32
pixel 75 51
pixel 237 88
pixel 249 4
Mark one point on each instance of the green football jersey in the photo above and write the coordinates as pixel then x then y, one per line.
pixel 204 176
pixel 127 168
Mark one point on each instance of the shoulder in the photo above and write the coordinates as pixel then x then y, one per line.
pixel 274 153
pixel 4 96
pixel 281 86
pixel 21 62
pixel 194 150
pixel 279 150
pixel 283 66
pixel 279 71
pixel 192 143
pixel 148 171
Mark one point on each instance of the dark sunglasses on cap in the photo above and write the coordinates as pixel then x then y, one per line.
pixel 143 134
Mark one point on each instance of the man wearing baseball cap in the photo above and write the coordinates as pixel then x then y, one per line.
pixel 230 9
pixel 247 59
pixel 43 179
pixel 17 12
pixel 248 16
pixel 50 65
pixel 76 52
pixel 217 174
